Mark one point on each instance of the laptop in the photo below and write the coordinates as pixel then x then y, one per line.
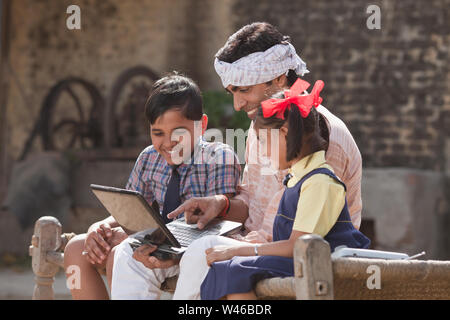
pixel 144 224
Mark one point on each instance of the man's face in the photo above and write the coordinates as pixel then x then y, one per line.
pixel 249 98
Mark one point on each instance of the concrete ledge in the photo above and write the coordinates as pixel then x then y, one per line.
pixel 408 207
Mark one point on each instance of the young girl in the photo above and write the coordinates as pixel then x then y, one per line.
pixel 313 202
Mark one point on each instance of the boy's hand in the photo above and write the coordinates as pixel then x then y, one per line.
pixel 118 235
pixel 96 247
pixel 200 210
pixel 142 254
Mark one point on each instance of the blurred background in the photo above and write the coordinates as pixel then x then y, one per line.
pixel 71 105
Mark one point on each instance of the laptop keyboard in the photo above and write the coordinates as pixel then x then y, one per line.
pixel 186 234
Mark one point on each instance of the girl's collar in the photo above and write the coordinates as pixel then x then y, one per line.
pixel 308 163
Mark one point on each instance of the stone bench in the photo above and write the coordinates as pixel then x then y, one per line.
pixel 317 275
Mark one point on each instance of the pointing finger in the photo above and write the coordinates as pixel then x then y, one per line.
pixel 175 213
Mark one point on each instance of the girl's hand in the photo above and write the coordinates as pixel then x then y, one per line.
pixel 219 253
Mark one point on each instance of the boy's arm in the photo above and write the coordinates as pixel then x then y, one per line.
pixel 107 221
pixel 135 182
pixel 100 236
pixel 97 244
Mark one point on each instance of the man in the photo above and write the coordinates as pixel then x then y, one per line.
pixel 254 63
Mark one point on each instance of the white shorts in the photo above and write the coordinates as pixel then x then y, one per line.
pixel 132 280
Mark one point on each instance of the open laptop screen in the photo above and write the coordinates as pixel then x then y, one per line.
pixel 134 214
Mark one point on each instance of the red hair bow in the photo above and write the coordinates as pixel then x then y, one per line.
pixel 293 96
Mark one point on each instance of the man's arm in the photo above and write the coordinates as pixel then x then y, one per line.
pixel 203 210
pixel 224 177
pixel 238 210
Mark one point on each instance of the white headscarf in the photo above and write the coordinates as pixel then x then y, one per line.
pixel 260 67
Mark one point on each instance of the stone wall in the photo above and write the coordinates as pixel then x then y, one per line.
pixel 115 35
pixel 390 86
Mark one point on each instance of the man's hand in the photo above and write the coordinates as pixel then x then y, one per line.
pixel 200 210
pixel 96 247
pixel 142 254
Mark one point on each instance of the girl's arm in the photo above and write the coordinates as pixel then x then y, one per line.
pixel 284 248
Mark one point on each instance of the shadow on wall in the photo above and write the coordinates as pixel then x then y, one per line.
pixel 55 184
pixel 40 186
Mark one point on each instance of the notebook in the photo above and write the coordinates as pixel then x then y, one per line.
pixel 144 224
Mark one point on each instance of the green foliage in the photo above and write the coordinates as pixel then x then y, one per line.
pixel 218 105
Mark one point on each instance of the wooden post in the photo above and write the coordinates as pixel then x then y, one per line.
pixel 46 238
pixel 313 269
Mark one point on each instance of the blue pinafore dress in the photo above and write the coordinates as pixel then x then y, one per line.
pixel 240 274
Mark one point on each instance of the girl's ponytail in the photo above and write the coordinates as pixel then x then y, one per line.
pixel 295 133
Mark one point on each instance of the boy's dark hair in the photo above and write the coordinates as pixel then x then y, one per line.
pixel 174 91
pixel 255 37
pixel 297 128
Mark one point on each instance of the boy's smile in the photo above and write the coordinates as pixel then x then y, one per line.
pixel 174 136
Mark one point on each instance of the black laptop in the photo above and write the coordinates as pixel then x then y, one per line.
pixel 145 225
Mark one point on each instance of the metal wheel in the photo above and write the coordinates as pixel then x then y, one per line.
pixel 125 124
pixel 71 116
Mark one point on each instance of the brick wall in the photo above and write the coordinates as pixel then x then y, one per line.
pixel 390 86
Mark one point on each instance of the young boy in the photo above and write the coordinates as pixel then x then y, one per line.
pixel 178 166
